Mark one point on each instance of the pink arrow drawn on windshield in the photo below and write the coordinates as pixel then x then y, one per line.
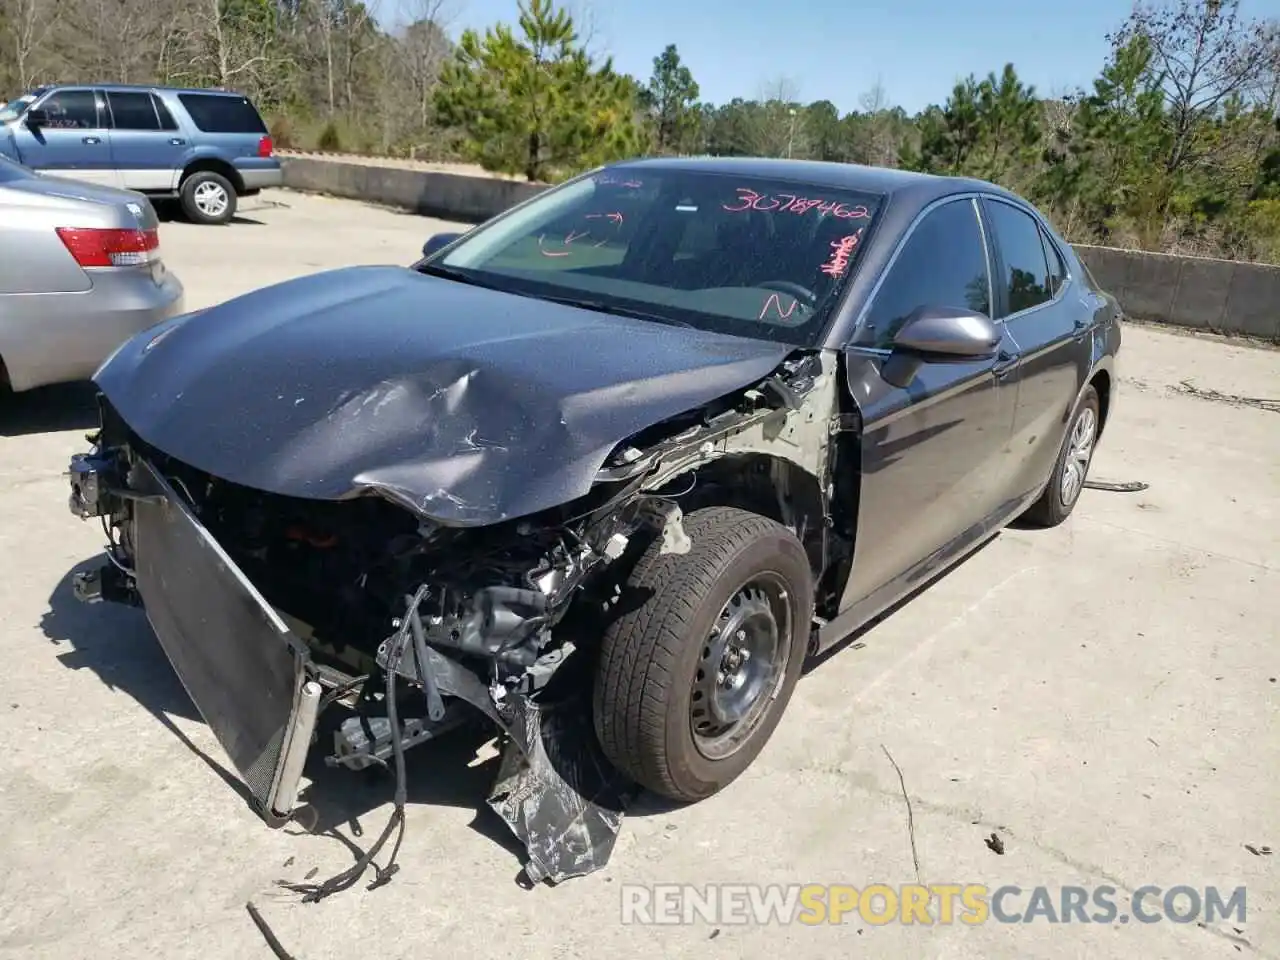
pixel 550 253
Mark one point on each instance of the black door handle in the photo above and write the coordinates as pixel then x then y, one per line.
pixel 92 140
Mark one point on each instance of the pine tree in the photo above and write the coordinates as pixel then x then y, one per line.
pixel 535 103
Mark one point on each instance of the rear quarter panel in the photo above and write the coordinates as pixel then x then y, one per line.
pixel 238 149
pixel 1106 332
pixel 56 321
pixel 35 259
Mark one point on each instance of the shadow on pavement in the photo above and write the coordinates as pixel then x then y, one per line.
pixel 444 773
pixel 64 406
pixel 854 640
pixel 116 643
pixel 170 211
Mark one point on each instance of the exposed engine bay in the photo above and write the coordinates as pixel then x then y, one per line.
pixel 411 627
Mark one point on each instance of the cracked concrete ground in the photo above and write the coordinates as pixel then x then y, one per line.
pixel 1103 696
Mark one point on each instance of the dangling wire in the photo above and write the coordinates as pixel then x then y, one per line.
pixel 314 892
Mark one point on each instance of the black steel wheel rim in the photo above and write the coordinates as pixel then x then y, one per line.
pixel 740 667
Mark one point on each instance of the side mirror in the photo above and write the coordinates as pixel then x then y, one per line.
pixel 36 118
pixel 437 242
pixel 948 332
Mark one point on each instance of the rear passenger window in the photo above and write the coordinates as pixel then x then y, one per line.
pixel 1026 272
pixel 222 114
pixel 166 118
pixel 1057 269
pixel 942 264
pixel 72 110
pixel 132 111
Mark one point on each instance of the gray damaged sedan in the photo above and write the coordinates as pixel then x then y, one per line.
pixel 599 474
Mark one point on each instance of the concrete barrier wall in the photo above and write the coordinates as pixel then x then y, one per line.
pixel 446 195
pixel 1222 296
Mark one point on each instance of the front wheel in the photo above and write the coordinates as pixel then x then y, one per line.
pixel 1072 467
pixel 694 675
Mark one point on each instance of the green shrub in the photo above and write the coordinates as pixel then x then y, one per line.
pixel 282 132
pixel 330 141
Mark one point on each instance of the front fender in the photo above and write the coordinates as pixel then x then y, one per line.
pixel 9 145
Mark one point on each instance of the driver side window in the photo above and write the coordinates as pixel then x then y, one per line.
pixel 942 264
pixel 72 110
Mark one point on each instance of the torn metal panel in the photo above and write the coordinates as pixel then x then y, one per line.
pixel 797 431
pixel 556 791
pixel 463 404
pixel 554 788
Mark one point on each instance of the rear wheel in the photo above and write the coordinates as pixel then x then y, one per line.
pixel 208 198
pixel 695 674
pixel 1072 467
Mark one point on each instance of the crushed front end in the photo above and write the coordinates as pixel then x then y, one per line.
pixel 276 611
pixel 273 609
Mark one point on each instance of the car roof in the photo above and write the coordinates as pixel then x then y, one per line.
pixel 919 189
pixel 143 86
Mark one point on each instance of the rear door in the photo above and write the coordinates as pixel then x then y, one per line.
pixel 146 144
pixel 1051 330
pixel 75 143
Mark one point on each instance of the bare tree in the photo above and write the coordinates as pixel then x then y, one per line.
pixel 592 36
pixel 359 38
pixel 29 24
pixel 882 139
pixel 1267 89
pixel 1060 110
pixel 416 52
pixel 780 89
pixel 233 53
pixel 1204 54
pixel 875 99
pixel 116 40
pixel 777 128
pixel 423 47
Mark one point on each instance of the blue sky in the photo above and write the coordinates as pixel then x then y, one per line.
pixel 837 49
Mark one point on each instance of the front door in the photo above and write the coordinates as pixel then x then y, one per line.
pixel 936 433
pixel 74 143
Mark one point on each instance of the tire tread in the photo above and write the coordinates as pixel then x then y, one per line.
pixel 641 648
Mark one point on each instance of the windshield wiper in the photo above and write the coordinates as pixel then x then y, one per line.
pixel 453 273
pixel 599 306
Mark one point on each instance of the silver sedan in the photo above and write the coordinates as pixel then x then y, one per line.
pixel 80 273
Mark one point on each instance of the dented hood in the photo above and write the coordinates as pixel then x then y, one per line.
pixel 467 405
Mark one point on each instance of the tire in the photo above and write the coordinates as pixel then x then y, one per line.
pixel 208 198
pixel 654 670
pixel 1058 500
